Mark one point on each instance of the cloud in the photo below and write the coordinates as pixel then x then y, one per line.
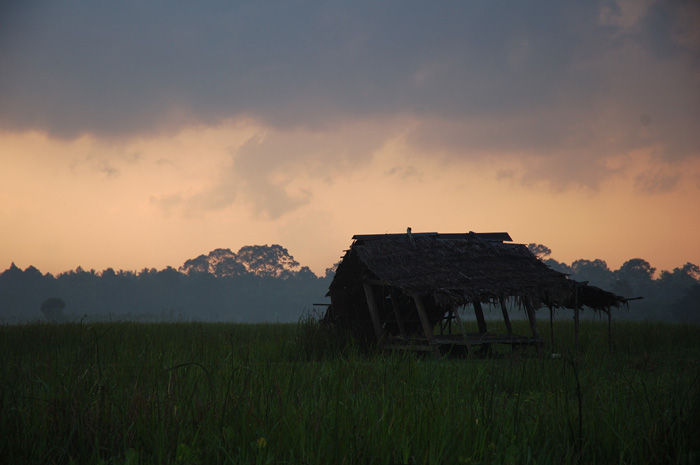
pixel 405 173
pixel 560 81
pixel 624 14
pixel 656 181
pixel 273 171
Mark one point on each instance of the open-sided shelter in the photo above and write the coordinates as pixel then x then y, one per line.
pixel 397 289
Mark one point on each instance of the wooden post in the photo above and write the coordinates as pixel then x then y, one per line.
pixel 427 330
pixel 609 330
pixel 425 322
pixel 397 313
pixel 480 320
pixel 464 331
pixel 576 319
pixel 551 325
pixel 374 312
pixel 449 320
pixel 533 321
pixel 509 328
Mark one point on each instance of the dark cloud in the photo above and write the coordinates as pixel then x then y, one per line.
pixel 539 78
pixel 657 181
pixel 405 173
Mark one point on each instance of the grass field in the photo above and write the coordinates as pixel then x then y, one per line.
pixel 188 393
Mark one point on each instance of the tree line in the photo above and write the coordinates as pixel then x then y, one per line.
pixel 667 295
pixel 265 283
pixel 256 284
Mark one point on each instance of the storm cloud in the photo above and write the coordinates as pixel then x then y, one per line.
pixel 564 80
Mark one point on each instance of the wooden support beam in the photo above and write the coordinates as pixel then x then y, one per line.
pixel 610 343
pixel 551 325
pixel 576 317
pixel 533 320
pixel 427 329
pixel 509 328
pixel 464 331
pixel 480 320
pixel 425 322
pixel 374 312
pixel 397 313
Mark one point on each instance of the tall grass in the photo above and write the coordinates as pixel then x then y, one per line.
pixel 125 393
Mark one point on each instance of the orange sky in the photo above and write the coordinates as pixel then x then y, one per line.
pixel 154 204
pixel 135 136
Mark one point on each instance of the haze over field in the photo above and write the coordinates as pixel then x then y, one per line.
pixel 140 134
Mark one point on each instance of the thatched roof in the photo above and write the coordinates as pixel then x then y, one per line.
pixel 457 269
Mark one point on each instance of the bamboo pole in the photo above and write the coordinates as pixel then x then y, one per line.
pixel 551 325
pixel 425 322
pixel 374 312
pixel 509 328
pixel 397 313
pixel 464 331
pixel 480 320
pixel 576 318
pixel 533 321
pixel 610 343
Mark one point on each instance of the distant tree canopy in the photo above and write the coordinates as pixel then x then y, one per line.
pixel 595 272
pixel 540 251
pixel 52 309
pixel 634 276
pixel 673 295
pixel 271 261
pixel 265 283
pixel 259 283
pixel 687 308
pixel 260 260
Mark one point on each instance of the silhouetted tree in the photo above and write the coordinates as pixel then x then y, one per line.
pixel 687 308
pixel 52 309
pixel 219 262
pixel 543 253
pixel 540 251
pixel 224 263
pixel 680 279
pixel 595 272
pixel 264 260
pixel 196 265
pixel 634 276
pixel 330 272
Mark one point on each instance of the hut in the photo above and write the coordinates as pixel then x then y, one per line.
pixel 406 290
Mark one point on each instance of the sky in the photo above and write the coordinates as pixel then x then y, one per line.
pixel 142 133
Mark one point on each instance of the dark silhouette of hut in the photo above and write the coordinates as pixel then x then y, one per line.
pixel 402 289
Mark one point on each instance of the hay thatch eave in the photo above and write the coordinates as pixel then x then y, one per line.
pixel 457 270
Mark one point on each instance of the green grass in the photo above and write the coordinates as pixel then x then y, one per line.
pixel 127 393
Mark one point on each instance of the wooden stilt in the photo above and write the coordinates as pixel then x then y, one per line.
pixel 397 313
pixel 374 312
pixel 551 325
pixel 509 328
pixel 531 318
pixel 533 321
pixel 610 343
pixel 425 322
pixel 464 331
pixel 576 317
pixel 480 320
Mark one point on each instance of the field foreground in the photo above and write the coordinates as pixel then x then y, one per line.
pixel 189 393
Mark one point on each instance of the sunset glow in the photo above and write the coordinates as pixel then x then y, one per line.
pixel 580 135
